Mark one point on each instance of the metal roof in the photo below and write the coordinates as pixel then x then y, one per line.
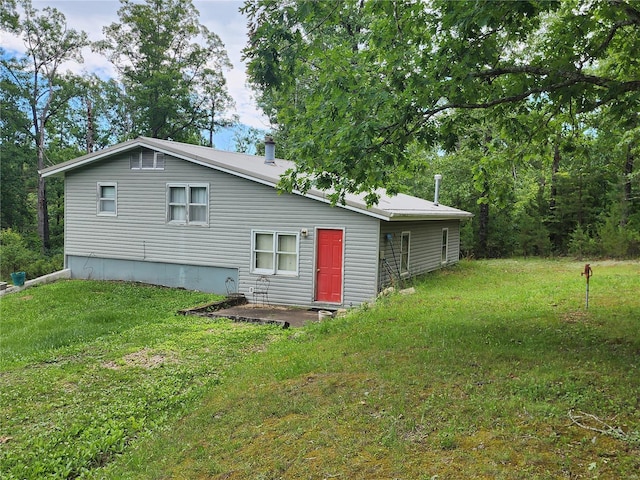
pixel 391 208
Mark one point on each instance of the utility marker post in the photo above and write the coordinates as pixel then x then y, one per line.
pixel 587 273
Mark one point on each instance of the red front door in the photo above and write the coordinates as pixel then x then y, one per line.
pixel 329 266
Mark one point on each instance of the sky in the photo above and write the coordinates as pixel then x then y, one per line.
pixel 219 16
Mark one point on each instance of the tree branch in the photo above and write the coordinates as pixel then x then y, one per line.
pixel 602 427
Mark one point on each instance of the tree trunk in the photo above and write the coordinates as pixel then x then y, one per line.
pixel 43 211
pixel 483 227
pixel 90 126
pixel 212 125
pixel 554 176
pixel 553 234
pixel 628 170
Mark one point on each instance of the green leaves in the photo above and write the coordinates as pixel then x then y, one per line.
pixel 171 67
pixel 353 84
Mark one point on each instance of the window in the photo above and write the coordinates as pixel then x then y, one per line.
pixel 107 199
pixel 274 253
pixel 263 252
pixel 146 160
pixel 445 245
pixel 188 204
pixel 404 252
pixel 287 253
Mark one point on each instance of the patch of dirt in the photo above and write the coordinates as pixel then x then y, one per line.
pixel 144 358
pixel 574 317
pixel 26 297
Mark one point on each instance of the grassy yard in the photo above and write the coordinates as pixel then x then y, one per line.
pixel 493 369
pixel 88 369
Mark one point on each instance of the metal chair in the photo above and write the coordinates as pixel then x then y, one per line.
pixel 261 290
pixel 230 285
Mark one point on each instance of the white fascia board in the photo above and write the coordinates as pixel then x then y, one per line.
pixel 403 217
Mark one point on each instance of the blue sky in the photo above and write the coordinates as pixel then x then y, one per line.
pixel 220 16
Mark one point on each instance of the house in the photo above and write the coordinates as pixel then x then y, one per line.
pixel 181 215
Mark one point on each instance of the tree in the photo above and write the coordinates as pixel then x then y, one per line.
pixel 220 104
pixel 249 140
pixel 49 43
pixel 8 15
pixel 171 69
pixel 17 170
pixel 354 83
pixel 95 118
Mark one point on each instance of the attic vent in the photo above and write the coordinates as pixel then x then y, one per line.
pixel 146 160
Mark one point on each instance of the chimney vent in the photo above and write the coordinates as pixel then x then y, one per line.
pixel 437 178
pixel 269 150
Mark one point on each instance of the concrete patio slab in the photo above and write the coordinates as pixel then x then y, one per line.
pixel 284 316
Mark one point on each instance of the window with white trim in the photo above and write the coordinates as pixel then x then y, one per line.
pixel 188 204
pixel 146 159
pixel 274 253
pixel 107 201
pixel 445 245
pixel 405 239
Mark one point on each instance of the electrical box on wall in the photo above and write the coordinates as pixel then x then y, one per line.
pixel 381 254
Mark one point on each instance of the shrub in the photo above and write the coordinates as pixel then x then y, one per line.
pixel 581 243
pixel 44 265
pixel 618 241
pixel 14 254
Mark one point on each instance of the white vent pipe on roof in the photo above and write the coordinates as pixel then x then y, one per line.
pixel 437 178
pixel 269 151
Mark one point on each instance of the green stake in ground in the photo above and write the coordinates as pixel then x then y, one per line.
pixel 587 273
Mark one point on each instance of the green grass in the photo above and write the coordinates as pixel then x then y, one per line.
pixel 483 373
pixel 89 368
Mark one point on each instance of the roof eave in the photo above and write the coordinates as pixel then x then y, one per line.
pixel 61 168
pixel 406 217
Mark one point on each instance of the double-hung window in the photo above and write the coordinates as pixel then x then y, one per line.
pixel 405 240
pixel 274 253
pixel 107 202
pixel 188 204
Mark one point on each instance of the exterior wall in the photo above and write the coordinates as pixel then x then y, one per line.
pixel 191 277
pixel 425 248
pixel 141 245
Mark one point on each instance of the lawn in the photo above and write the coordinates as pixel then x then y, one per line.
pixel 493 369
pixel 89 368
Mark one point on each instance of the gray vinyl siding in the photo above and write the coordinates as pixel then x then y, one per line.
pixel 140 232
pixel 425 248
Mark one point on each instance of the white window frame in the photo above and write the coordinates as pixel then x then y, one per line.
pixel 136 163
pixel 275 253
pixel 188 204
pixel 100 199
pixel 444 248
pixel 403 235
